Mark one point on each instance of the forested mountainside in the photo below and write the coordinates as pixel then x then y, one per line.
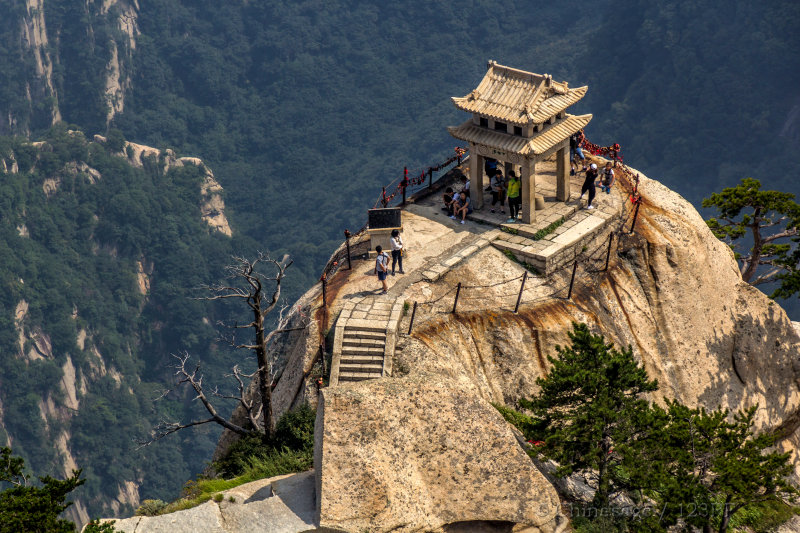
pixel 303 110
pixel 99 260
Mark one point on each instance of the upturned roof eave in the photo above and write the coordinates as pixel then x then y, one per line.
pixel 548 107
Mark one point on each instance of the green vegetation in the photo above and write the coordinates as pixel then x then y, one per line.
pixel 524 264
pixel 31 508
pixel 242 85
pixel 249 459
pixel 73 255
pixel 769 221
pixel 544 232
pixel 676 465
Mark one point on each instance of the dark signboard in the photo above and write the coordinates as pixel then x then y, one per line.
pixel 384 218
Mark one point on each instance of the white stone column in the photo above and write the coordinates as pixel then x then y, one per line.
pixel 528 177
pixel 475 177
pixel 562 174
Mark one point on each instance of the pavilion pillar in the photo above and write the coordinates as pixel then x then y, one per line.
pixel 562 174
pixel 476 185
pixel 528 177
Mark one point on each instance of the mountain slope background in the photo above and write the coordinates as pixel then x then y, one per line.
pixel 304 109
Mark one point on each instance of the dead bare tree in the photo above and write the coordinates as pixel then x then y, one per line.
pixel 260 291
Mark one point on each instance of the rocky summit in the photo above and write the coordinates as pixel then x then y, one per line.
pixel 407 439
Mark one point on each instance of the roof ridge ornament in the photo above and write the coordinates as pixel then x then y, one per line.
pixel 474 95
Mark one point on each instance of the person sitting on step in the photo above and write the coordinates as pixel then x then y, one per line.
pixel 464 208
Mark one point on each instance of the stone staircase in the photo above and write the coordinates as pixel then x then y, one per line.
pixel 364 339
pixel 362 352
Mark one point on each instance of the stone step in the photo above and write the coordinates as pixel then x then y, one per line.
pixel 358 376
pixel 362 350
pixel 361 341
pixel 360 359
pixel 361 368
pixel 364 327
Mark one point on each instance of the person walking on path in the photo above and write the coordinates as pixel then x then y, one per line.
pixel 514 198
pixel 382 267
pixel 588 185
pixel 397 251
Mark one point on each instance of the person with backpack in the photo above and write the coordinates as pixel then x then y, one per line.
pixel 397 251
pixel 382 267
pixel 575 141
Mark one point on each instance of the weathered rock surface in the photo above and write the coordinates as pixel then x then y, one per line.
pixel 418 453
pixel 424 450
pixel 282 504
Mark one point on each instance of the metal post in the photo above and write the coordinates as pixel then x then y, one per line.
pixel 322 356
pixel 430 177
pixel 324 280
pixel 521 288
pixel 455 302
pixel 636 213
pixel 572 281
pixel 608 253
pixel 410 324
pixel 383 197
pixel 347 243
pixel 404 184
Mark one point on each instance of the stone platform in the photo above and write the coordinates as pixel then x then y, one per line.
pixel 545 250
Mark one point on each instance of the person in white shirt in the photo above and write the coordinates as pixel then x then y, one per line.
pixel 397 251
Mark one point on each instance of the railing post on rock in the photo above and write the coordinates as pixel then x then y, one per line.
pixel 324 280
pixel 430 177
pixel 413 314
pixel 347 244
pixel 521 288
pixel 455 302
pixel 608 253
pixel 572 281
pixel 636 213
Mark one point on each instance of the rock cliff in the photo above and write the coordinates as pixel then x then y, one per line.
pixel 422 449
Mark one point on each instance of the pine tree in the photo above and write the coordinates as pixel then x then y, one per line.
pixel 713 467
pixel 25 507
pixel 592 405
pixel 771 218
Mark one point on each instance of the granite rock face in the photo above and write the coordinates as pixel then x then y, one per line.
pixel 419 453
pixel 282 504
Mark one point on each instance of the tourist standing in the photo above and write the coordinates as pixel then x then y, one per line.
pixel 397 251
pixel 607 179
pixel 514 197
pixel 497 190
pixel 382 267
pixel 575 141
pixel 588 185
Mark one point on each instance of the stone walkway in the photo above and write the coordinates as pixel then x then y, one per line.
pixel 364 339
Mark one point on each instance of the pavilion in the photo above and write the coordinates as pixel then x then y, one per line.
pixel 519 118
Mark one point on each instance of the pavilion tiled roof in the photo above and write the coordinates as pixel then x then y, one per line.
pixel 518 97
pixel 536 145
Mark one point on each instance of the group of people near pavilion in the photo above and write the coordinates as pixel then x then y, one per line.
pixel 506 188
